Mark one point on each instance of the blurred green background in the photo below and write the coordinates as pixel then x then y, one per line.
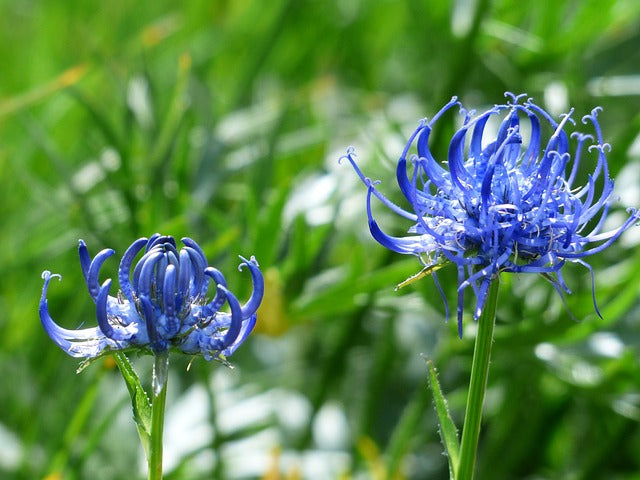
pixel 224 121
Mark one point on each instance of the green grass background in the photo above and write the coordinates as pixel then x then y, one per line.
pixel 224 121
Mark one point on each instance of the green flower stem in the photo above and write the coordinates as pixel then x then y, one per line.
pixel 157 425
pixel 478 385
pixel 157 418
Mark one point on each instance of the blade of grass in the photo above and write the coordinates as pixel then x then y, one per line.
pixel 448 430
pixel 20 102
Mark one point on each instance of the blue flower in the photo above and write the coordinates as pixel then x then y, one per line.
pixel 507 203
pixel 163 306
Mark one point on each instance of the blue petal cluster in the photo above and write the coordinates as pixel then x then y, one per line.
pixel 162 306
pixel 504 201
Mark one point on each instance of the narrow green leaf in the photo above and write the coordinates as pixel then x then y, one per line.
pixel 161 152
pixel 66 79
pixel 139 400
pixel 448 430
pixel 405 430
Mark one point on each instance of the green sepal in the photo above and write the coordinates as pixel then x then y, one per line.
pixel 448 431
pixel 139 400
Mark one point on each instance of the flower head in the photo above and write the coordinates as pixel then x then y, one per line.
pixel 502 204
pixel 163 306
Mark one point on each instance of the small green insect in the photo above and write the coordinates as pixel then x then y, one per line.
pixel 428 270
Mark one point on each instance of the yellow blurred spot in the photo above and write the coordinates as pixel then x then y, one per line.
pixel 373 459
pixel 272 319
pixel 273 473
pixel 185 62
pixel 109 363
pixel 158 31
pixel 71 76
pixel 294 473
pixel 53 476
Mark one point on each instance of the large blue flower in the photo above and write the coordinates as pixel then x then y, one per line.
pixel 502 204
pixel 162 307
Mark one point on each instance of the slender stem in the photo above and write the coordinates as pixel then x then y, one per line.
pixel 157 426
pixel 478 385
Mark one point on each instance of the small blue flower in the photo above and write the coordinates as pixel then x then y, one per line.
pixel 163 306
pixel 502 204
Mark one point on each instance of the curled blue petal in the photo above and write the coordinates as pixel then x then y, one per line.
pixel 86 342
pixel 201 261
pixel 94 270
pixel 169 300
pixel 397 244
pixel 101 311
pixel 85 258
pixel 199 264
pixel 125 267
pixel 147 281
pixel 184 276
pixel 350 157
pixel 220 298
pixel 247 328
pixel 236 318
pixel 249 308
pixel 156 342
